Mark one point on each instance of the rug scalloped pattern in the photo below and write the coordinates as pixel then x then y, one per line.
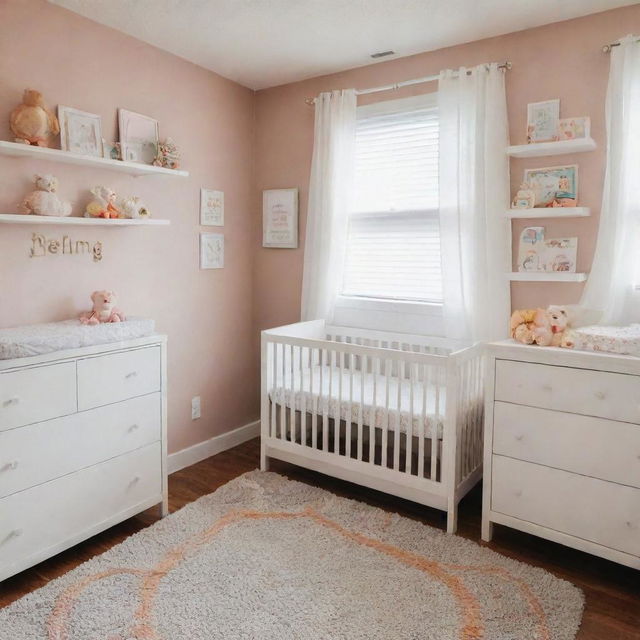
pixel 267 558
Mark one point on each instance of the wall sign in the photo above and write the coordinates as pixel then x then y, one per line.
pixel 280 218
pixel 42 246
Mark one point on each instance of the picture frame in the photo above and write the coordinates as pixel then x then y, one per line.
pixel 211 208
pixel 530 249
pixel 138 137
pixel 574 128
pixel 280 218
pixel 80 131
pixel 554 186
pixel 537 254
pixel 211 251
pixel 543 120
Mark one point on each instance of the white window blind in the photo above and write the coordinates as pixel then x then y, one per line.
pixel 393 246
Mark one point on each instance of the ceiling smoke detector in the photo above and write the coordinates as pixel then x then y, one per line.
pixel 382 54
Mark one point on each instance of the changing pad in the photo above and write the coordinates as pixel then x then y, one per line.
pixel 624 341
pixel 36 339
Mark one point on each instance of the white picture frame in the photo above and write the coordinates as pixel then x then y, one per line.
pixel 280 218
pixel 211 251
pixel 138 137
pixel 543 119
pixel 80 131
pixel 574 128
pixel 211 208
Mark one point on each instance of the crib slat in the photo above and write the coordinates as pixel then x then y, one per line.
pixel 409 446
pixel 338 419
pixel 435 422
pixel 283 406
pixel 385 422
pixel 292 403
pixel 325 400
pixel 303 401
pixel 423 417
pixel 350 413
pixel 363 365
pixel 396 437
pixel 274 358
pixel 314 400
pixel 375 362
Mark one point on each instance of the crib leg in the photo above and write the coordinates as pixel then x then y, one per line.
pixel 452 516
pixel 264 459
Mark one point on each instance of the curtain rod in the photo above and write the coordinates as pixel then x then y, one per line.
pixel 607 47
pixel 406 83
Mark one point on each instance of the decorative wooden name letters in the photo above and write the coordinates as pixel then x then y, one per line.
pixel 42 246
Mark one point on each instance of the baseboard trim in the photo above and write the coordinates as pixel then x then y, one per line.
pixel 217 444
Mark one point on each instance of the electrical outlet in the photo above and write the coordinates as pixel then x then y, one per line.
pixel 195 408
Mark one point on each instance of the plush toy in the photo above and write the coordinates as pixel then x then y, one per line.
pixel 104 309
pixel 168 155
pixel 132 207
pixel 31 122
pixel 44 201
pixel 103 204
pixel 539 326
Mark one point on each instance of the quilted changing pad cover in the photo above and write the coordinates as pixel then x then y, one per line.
pixel 621 340
pixel 36 339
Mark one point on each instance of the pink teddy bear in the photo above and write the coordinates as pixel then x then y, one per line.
pixel 104 309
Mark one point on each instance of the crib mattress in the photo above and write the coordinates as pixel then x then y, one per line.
pixel 621 340
pixel 317 390
pixel 37 339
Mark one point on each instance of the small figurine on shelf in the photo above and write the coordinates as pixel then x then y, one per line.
pixel 168 155
pixel 104 309
pixel 44 201
pixel 103 204
pixel 525 198
pixel 565 196
pixel 132 207
pixel 32 122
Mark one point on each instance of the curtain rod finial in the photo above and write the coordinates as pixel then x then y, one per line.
pixel 606 48
pixel 310 101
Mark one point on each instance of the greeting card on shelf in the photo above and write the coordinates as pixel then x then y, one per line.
pixel 535 254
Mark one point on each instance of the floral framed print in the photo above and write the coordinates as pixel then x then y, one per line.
pixel 280 218
pixel 80 132
pixel 138 137
pixel 211 251
pixel 211 208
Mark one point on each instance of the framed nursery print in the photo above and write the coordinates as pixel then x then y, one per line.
pixel 280 218
pixel 574 128
pixel 553 186
pixel 211 251
pixel 80 132
pixel 211 208
pixel 138 137
pixel 542 121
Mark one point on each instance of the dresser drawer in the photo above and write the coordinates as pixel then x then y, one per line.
pixel 38 393
pixel 590 446
pixel 602 512
pixel 593 393
pixel 33 523
pixel 47 450
pixel 118 376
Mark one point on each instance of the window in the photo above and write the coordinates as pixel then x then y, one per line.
pixel 393 244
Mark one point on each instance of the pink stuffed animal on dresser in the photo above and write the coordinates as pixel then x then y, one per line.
pixel 104 309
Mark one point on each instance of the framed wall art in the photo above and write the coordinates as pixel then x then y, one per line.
pixel 211 251
pixel 280 218
pixel 138 137
pixel 211 208
pixel 542 121
pixel 80 132
pixel 554 186
pixel 574 128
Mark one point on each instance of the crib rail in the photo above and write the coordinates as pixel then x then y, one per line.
pixel 373 401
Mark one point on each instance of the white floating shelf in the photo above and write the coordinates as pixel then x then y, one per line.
pixel 560 147
pixel 542 276
pixel 549 212
pixel 56 155
pixel 16 218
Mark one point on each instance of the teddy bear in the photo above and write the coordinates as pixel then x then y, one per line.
pixel 104 309
pixel 103 204
pixel 545 327
pixel 44 201
pixel 132 207
pixel 32 122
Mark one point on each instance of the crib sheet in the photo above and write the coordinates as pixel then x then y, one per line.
pixel 317 389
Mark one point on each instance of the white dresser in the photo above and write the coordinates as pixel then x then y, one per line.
pixel 82 445
pixel 562 448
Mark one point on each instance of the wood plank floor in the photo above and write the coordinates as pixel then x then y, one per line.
pixel 612 592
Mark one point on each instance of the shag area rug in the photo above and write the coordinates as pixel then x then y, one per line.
pixel 266 558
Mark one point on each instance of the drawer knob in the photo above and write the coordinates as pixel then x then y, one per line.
pixel 16 533
pixel 10 466
pixel 547 387
pixel 518 493
pixel 133 427
pixel 131 374
pixel 601 395
pixel 11 402
pixel 519 437
pixel 134 480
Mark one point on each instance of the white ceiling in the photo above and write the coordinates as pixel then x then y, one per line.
pixel 264 43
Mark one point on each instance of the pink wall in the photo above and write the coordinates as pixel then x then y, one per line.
pixel 562 60
pixel 206 314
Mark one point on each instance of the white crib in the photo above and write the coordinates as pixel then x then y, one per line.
pixel 395 412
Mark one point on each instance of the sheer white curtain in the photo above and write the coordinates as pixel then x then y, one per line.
pixel 474 193
pixel 614 273
pixel 329 195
